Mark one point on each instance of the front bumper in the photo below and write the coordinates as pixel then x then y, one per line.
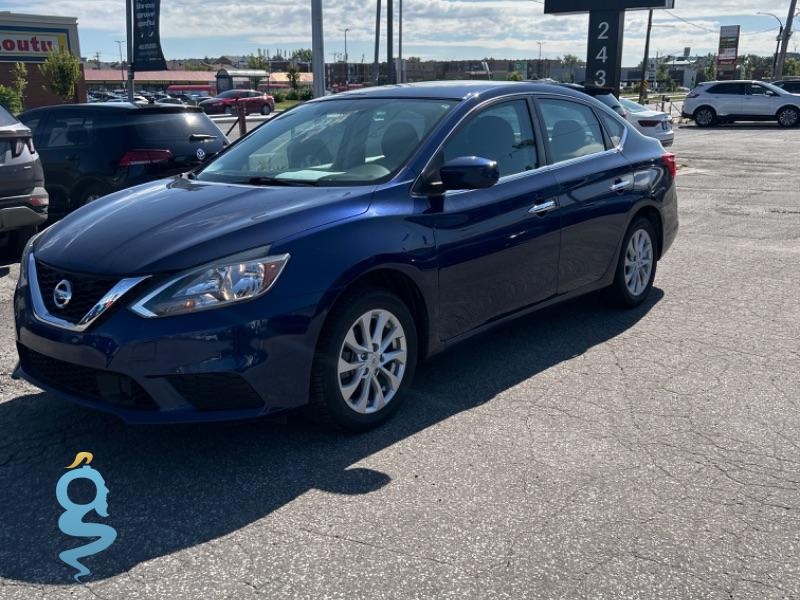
pixel 239 362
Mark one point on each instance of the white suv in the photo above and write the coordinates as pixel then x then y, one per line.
pixel 715 102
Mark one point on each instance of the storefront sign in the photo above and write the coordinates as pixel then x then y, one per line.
pixel 30 44
pixel 728 51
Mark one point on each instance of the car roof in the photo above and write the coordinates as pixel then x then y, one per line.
pixel 116 107
pixel 455 90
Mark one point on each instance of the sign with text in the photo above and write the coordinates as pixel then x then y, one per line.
pixel 30 45
pixel 728 51
pixel 553 7
pixel 604 58
pixel 147 53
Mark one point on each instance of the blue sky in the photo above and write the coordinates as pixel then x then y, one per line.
pixel 443 29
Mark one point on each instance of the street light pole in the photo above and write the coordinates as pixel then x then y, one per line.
pixel 401 76
pixel 376 75
pixel 390 40
pixel 539 67
pixel 779 38
pixel 317 49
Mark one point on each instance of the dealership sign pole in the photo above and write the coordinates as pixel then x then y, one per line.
pixel 728 51
pixel 606 24
pixel 144 39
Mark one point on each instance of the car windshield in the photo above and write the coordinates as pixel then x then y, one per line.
pixel 632 106
pixel 352 141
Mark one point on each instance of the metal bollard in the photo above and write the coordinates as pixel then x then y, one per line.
pixel 242 110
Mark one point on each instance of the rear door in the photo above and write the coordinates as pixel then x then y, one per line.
pixel 595 187
pixel 728 98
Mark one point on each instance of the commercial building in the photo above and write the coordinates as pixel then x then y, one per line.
pixel 28 39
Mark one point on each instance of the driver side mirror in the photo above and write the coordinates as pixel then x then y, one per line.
pixel 469 173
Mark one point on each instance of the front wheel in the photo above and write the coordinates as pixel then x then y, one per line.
pixel 788 116
pixel 636 269
pixel 266 109
pixel 705 116
pixel 365 360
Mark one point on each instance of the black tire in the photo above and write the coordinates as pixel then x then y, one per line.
pixel 266 109
pixel 788 116
pixel 705 116
pixel 90 193
pixel 327 405
pixel 618 293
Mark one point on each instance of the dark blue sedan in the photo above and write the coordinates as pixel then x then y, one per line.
pixel 316 261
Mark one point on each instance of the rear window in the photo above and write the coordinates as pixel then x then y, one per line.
pixel 6 118
pixel 173 126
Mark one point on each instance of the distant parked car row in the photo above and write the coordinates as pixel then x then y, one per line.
pixel 229 101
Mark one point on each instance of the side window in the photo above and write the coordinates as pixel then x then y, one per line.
pixel 572 129
pixel 757 90
pixel 66 131
pixel 614 128
pixel 502 133
pixel 728 89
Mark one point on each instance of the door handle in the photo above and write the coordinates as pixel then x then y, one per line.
pixel 542 209
pixel 622 183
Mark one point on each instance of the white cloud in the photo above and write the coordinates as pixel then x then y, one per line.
pixel 432 26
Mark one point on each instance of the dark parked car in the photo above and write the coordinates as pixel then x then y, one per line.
pixel 229 101
pixel 790 85
pixel 317 260
pixel 23 198
pixel 90 150
pixel 604 95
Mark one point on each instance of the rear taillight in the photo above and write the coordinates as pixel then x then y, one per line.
pixel 646 123
pixel 31 147
pixel 668 159
pixel 18 146
pixel 40 198
pixel 144 157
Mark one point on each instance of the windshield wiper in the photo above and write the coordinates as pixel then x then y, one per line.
pixel 277 181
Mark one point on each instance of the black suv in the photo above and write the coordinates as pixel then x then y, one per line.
pixel 23 199
pixel 790 85
pixel 90 150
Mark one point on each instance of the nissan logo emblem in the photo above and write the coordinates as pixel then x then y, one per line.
pixel 62 293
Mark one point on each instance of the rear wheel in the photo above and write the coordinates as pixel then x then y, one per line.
pixel 90 193
pixel 636 269
pixel 266 109
pixel 365 360
pixel 788 116
pixel 705 116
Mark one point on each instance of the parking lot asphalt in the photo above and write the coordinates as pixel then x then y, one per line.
pixel 582 452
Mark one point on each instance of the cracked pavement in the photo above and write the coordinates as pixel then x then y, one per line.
pixel 581 452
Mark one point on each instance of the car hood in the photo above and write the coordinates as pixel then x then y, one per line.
pixel 175 224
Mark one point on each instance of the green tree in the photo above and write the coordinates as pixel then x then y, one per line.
pixel 710 70
pixel 293 76
pixel 10 99
pixel 515 76
pixel 258 60
pixel 571 62
pixel 302 55
pixel 791 67
pixel 61 71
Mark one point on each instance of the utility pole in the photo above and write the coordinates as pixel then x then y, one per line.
pixel 317 49
pixel 539 66
pixel 121 61
pixel 401 77
pixel 643 82
pixel 129 8
pixel 346 61
pixel 787 33
pixel 390 40
pixel 376 75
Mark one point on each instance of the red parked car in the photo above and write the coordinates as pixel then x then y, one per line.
pixel 227 102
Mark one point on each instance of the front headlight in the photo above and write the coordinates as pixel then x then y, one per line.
pixel 24 259
pixel 221 284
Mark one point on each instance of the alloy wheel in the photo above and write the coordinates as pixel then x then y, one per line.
pixel 788 117
pixel 638 262
pixel 704 117
pixel 372 361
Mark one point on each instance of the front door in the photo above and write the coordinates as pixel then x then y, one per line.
pixel 498 247
pixel 760 101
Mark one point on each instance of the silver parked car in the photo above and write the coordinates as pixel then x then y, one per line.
pixel 23 199
pixel 652 123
